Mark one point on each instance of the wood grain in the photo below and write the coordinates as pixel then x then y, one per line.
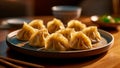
pixel 9 61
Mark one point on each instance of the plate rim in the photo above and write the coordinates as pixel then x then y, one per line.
pixel 62 52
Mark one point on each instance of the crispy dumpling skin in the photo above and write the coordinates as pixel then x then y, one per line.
pixel 54 25
pixel 77 25
pixel 37 23
pixel 80 41
pixel 92 33
pixel 66 32
pixel 25 33
pixel 56 42
pixel 38 38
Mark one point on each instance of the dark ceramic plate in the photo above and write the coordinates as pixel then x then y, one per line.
pixel 95 20
pixel 38 52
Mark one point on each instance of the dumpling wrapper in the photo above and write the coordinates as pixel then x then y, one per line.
pixel 67 32
pixel 37 23
pixel 38 38
pixel 26 32
pixel 56 42
pixel 80 41
pixel 92 33
pixel 54 25
pixel 77 25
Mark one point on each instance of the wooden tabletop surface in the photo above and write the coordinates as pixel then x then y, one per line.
pixel 109 59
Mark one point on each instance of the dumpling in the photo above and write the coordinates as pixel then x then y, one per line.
pixel 77 25
pixel 80 41
pixel 38 38
pixel 56 42
pixel 66 32
pixel 92 33
pixel 38 24
pixel 26 32
pixel 54 25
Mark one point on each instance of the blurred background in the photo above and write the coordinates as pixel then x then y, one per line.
pixel 21 8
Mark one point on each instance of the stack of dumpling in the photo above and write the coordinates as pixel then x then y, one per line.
pixel 56 37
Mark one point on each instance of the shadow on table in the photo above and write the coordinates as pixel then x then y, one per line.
pixel 54 62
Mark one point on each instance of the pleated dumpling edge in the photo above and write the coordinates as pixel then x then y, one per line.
pixel 25 33
pixel 80 41
pixel 56 42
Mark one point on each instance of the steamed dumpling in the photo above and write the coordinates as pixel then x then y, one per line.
pixel 66 32
pixel 80 41
pixel 54 25
pixel 25 33
pixel 38 24
pixel 92 33
pixel 38 38
pixel 77 25
pixel 56 42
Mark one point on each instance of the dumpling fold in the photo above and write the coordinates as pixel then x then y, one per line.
pixel 56 42
pixel 25 33
pixel 37 24
pixel 38 38
pixel 66 32
pixel 54 25
pixel 80 41
pixel 92 33
pixel 77 25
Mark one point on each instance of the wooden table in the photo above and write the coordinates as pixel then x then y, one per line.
pixel 109 59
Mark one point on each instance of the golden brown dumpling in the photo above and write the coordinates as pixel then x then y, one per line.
pixel 38 24
pixel 80 41
pixel 56 42
pixel 66 32
pixel 77 25
pixel 25 33
pixel 92 33
pixel 54 25
pixel 38 38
